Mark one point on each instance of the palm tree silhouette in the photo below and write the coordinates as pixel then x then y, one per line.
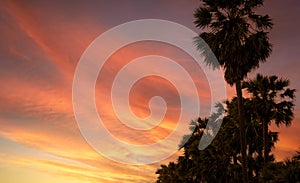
pixel 253 135
pixel 274 102
pixel 238 38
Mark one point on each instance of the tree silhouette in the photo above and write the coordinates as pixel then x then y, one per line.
pixel 286 171
pixel 238 38
pixel 297 156
pixel 253 135
pixel 221 160
pixel 274 102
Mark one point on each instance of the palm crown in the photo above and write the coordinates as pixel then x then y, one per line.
pixel 237 35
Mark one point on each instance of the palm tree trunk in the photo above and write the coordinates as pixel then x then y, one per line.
pixel 242 122
pixel 265 141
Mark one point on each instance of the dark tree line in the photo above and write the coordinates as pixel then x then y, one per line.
pixel 270 100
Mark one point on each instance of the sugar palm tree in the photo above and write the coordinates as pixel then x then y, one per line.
pixel 238 38
pixel 274 102
pixel 253 135
pixel 220 162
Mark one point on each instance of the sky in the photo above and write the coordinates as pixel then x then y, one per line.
pixel 41 45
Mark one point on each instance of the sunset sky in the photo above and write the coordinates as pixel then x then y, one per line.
pixel 41 44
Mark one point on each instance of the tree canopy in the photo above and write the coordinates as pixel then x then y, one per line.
pixel 238 37
pixel 221 160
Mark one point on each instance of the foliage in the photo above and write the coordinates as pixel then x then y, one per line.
pixel 221 161
pixel 239 39
pixel 274 102
pixel 236 34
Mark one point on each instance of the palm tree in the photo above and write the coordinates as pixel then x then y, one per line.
pixel 274 102
pixel 221 161
pixel 253 135
pixel 238 38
